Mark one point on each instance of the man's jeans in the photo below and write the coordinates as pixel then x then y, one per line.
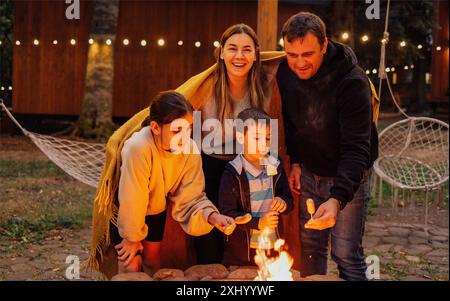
pixel 346 235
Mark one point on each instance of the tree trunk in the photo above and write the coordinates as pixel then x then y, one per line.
pixel 95 120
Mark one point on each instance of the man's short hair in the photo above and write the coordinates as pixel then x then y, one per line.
pixel 297 26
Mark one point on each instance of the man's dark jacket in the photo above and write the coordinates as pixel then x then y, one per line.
pixel 328 120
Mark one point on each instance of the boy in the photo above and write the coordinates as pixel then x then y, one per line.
pixel 253 183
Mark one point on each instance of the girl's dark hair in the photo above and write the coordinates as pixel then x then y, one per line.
pixel 168 106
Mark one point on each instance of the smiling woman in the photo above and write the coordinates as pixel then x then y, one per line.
pixel 239 83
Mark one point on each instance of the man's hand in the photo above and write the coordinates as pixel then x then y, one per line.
pixel 126 250
pixel 269 219
pixel 294 178
pixel 325 216
pixel 278 204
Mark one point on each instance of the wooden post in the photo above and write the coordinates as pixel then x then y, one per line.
pixel 440 59
pixel 267 24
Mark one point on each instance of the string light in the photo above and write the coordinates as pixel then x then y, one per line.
pixel 406 67
pixel 393 69
pixel 2 88
pixel 161 42
pixel 374 71
pixel 367 71
pixel 1 43
pixel 439 48
pixel 412 66
pixel 10 88
pixel 383 41
pixel 388 69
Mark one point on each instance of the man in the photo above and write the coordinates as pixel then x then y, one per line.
pixel 331 141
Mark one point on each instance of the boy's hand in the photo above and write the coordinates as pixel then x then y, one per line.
pixel 222 222
pixel 126 250
pixel 294 178
pixel 269 219
pixel 325 216
pixel 278 204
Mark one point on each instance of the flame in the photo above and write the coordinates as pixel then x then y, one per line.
pixel 272 268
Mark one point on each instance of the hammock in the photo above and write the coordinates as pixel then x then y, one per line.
pixel 81 160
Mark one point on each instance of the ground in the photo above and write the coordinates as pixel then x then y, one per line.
pixel 45 216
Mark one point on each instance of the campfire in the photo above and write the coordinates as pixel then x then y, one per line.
pixel 272 267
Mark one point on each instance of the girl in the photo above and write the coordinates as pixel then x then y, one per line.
pixel 150 171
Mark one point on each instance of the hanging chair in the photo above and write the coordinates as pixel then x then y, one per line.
pixel 413 152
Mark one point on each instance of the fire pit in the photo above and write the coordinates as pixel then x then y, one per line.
pixel 274 267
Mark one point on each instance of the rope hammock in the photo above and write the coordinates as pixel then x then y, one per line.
pixel 413 152
pixel 83 161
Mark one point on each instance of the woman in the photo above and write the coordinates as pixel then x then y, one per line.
pixel 239 83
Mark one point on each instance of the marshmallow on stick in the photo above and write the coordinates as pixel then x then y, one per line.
pixel 310 207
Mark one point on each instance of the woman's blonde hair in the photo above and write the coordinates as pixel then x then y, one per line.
pixel 256 78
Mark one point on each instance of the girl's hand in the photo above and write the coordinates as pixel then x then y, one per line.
pixel 126 250
pixel 222 222
pixel 278 204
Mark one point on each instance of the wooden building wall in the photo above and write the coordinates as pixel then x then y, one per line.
pixel 141 72
pixel 49 79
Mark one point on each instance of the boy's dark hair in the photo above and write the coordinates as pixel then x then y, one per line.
pixel 254 114
pixel 168 106
pixel 297 26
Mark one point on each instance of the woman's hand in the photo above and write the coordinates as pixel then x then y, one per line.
pixel 126 250
pixel 294 178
